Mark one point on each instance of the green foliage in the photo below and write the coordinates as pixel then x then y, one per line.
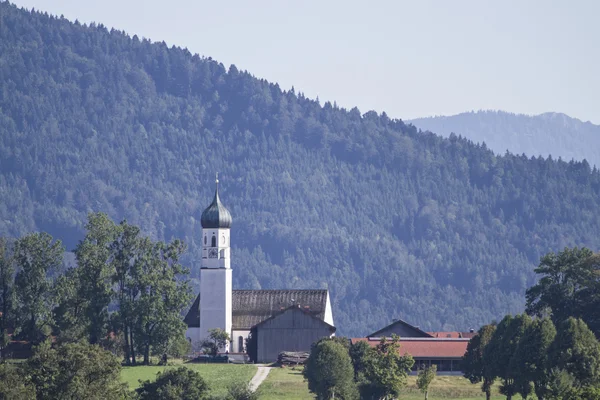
pixel 531 357
pixel 501 354
pixel 329 372
pixel 37 259
pixel 241 391
pixel 7 295
pixel 425 377
pixel 576 351
pixel 385 370
pixel 14 384
pixel 94 120
pixel 476 364
pixel 359 352
pixel 174 384
pixel 568 287
pixel 75 371
pixel 216 341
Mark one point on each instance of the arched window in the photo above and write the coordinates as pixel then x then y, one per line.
pixel 214 241
pixel 205 240
pixel 223 240
pixel 240 344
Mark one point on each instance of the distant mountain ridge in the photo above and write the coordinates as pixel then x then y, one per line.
pixel 396 223
pixel 545 134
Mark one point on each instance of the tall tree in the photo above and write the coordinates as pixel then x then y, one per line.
pixel 568 285
pixel 577 351
pixel 37 258
pixel 502 349
pixel 386 370
pixel 532 355
pixel 6 294
pixel 476 366
pixel 163 295
pixel 329 371
pixel 126 254
pixel 85 292
pixel 95 274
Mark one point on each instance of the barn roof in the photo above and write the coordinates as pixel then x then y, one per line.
pixel 416 332
pixel 295 309
pixel 250 307
pixel 430 348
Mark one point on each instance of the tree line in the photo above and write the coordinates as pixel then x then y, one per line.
pixel 555 355
pixel 93 119
pixel 125 292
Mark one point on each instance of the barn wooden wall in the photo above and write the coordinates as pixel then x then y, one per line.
pixel 293 330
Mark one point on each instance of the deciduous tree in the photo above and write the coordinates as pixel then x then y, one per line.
pixel 576 351
pixel 37 257
pixel 174 384
pixel 425 377
pixel 386 370
pixel 476 367
pixel 329 371
pixel 532 355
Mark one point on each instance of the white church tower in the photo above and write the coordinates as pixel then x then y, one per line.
pixel 215 272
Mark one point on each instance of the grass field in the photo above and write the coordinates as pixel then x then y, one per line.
pixel 286 383
pixel 218 376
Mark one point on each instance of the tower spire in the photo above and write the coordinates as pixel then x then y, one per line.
pixel 217 181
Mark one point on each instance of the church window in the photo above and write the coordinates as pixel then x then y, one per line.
pixel 223 239
pixel 214 241
pixel 205 240
pixel 240 344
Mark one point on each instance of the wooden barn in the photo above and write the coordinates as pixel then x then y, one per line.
pixel 292 329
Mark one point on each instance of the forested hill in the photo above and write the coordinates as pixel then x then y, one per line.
pixel 396 223
pixel 546 134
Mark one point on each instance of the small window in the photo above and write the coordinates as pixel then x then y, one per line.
pixel 240 344
pixel 223 239
pixel 214 241
pixel 205 240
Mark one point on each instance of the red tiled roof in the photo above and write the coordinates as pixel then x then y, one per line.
pixel 427 348
pixel 453 335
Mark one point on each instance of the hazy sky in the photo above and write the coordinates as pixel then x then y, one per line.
pixel 410 59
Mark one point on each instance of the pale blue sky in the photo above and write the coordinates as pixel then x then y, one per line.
pixel 410 59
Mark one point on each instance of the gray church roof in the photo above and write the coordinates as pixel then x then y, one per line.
pixel 216 215
pixel 250 307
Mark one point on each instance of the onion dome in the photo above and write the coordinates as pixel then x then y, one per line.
pixel 216 215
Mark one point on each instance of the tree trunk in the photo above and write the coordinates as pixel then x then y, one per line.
pixel 32 328
pixel 488 395
pixel 127 349
pixel 147 354
pixel 132 347
pixel 426 394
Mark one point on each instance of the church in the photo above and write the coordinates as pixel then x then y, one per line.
pixel 280 320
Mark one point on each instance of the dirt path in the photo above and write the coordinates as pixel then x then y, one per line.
pixel 259 377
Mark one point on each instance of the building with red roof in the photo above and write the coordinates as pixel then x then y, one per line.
pixel 443 349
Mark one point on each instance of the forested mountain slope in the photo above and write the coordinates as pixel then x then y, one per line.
pixel 546 134
pixel 396 223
